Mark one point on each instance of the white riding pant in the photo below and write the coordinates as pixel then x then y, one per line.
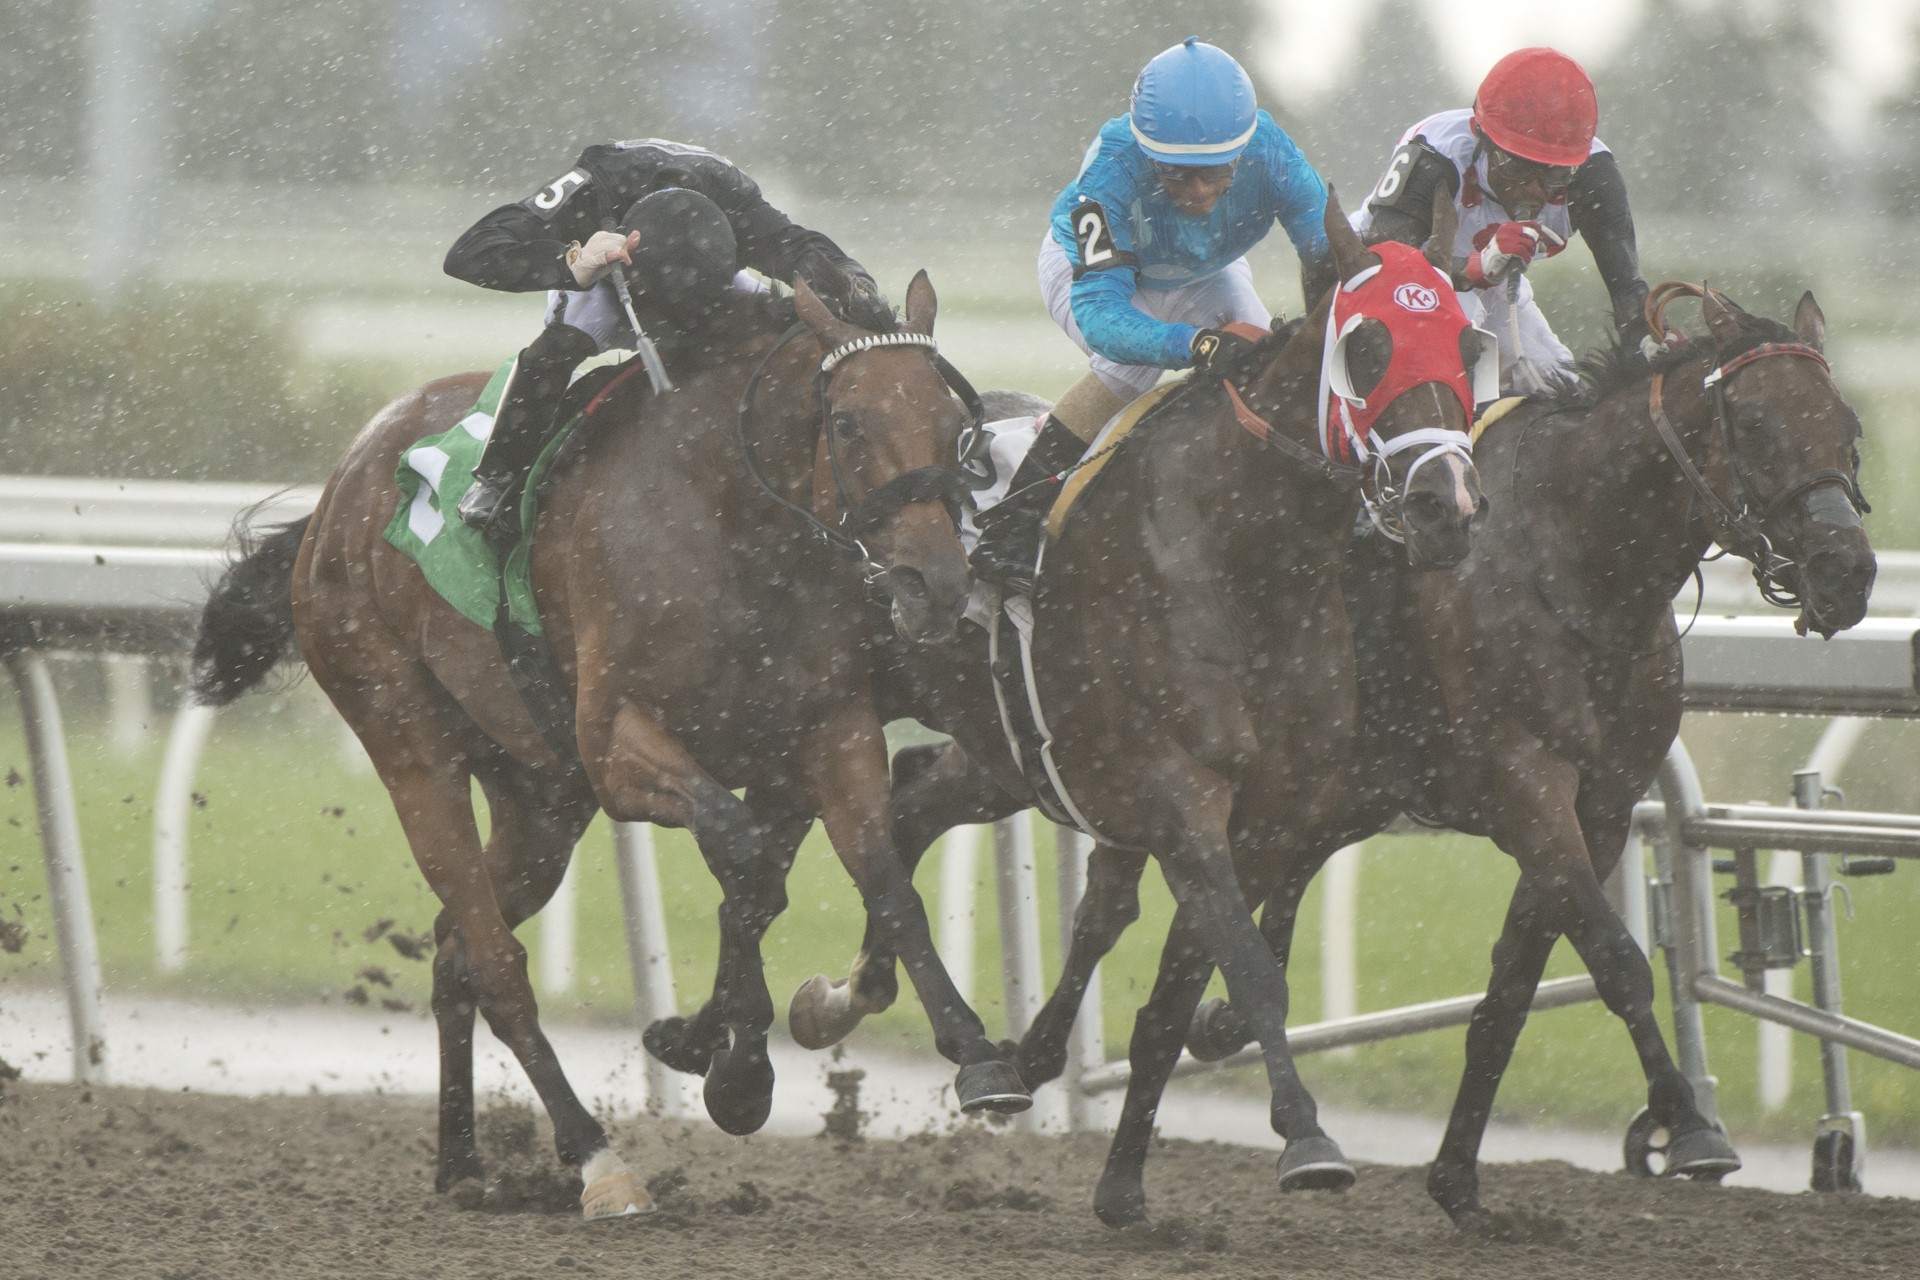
pixel 1221 298
pixel 597 312
pixel 1538 360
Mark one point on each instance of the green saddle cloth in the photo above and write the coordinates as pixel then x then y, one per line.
pixel 456 559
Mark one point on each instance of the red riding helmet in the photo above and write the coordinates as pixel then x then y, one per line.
pixel 1538 104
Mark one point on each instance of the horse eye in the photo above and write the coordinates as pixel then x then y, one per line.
pixel 846 427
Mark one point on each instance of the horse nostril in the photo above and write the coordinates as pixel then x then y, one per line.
pixel 907 584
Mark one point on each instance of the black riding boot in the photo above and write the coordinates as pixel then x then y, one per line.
pixel 1010 532
pixel 520 428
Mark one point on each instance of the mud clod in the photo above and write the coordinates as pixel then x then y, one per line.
pixel 845 1120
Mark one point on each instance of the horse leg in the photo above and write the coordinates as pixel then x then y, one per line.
pixel 1219 1032
pixel 936 787
pixel 647 776
pixel 1519 958
pixel 1624 976
pixel 1121 1198
pixel 1201 875
pixel 535 826
pixel 847 766
pixel 1110 904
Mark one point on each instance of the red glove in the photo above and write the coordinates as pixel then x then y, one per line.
pixel 1506 249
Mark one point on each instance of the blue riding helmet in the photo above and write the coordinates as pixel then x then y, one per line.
pixel 1193 105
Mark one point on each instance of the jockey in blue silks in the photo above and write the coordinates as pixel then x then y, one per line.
pixel 1145 261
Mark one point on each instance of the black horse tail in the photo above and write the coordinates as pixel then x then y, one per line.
pixel 247 625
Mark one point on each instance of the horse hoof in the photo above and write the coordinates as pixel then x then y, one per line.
pixel 739 1091
pixel 1314 1164
pixel 1704 1155
pixel 1216 1032
pixel 1120 1208
pixel 991 1086
pixel 669 1041
pixel 618 1195
pixel 822 1013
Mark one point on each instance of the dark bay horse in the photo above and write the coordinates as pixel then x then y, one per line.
pixel 1192 657
pixel 711 643
pixel 1535 690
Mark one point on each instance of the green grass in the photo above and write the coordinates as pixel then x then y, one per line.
pixel 296 854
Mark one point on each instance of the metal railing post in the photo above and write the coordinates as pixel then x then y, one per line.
pixel 1691 946
pixel 1823 946
pixel 959 880
pixel 172 811
pixel 647 955
pixel 1018 883
pixel 66 866
pixel 559 929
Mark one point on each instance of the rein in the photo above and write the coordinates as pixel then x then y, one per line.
pixel 922 484
pixel 1741 531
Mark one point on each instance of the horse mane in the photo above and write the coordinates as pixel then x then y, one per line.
pixel 694 341
pixel 1619 365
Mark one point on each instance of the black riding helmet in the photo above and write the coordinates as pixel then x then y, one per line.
pixel 687 254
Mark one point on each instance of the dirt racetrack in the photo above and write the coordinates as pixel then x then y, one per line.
pixel 113 1183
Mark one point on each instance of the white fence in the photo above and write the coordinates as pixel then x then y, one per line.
pixel 68 580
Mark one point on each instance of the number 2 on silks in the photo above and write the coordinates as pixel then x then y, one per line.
pixel 1093 236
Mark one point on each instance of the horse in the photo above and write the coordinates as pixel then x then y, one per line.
pixel 1191 653
pixel 709 643
pixel 1530 695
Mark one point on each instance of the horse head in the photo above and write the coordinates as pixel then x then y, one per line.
pixel 883 473
pixel 1399 371
pixel 1788 451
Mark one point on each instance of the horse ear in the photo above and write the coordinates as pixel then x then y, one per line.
pixel 1810 322
pixel 1446 225
pixel 1350 256
pixel 829 328
pixel 921 304
pixel 1723 317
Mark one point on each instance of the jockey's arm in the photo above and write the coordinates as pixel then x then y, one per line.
pixel 512 248
pixel 1597 206
pixel 1103 307
pixel 1300 195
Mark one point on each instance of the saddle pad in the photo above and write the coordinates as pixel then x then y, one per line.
pixel 1497 410
pixel 1110 435
pixel 455 559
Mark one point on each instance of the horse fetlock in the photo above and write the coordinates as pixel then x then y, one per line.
pixel 684 1044
pixel 609 1188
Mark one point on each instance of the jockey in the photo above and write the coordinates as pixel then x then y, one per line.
pixel 1525 172
pixel 687 222
pixel 1145 261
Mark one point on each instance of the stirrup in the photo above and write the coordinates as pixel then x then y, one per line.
pixel 481 503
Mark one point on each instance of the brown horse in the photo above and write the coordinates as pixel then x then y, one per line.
pixel 1192 657
pixel 1530 695
pixel 711 643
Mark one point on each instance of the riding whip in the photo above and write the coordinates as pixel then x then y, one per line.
pixel 649 355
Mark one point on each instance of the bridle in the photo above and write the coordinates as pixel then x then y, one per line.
pixel 1740 526
pixel 1372 470
pixel 922 484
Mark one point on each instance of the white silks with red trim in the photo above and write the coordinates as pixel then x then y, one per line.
pixel 1417 304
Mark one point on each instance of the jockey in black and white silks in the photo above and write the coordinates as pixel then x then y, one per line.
pixel 685 223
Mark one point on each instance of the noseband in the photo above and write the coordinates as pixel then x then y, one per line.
pixel 1740 526
pixel 922 484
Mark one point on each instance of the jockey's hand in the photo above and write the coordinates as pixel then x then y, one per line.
pixel 848 291
pixel 591 261
pixel 1507 249
pixel 1211 346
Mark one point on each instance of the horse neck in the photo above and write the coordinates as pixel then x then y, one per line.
pixel 1264 520
pixel 1638 524
pixel 785 428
